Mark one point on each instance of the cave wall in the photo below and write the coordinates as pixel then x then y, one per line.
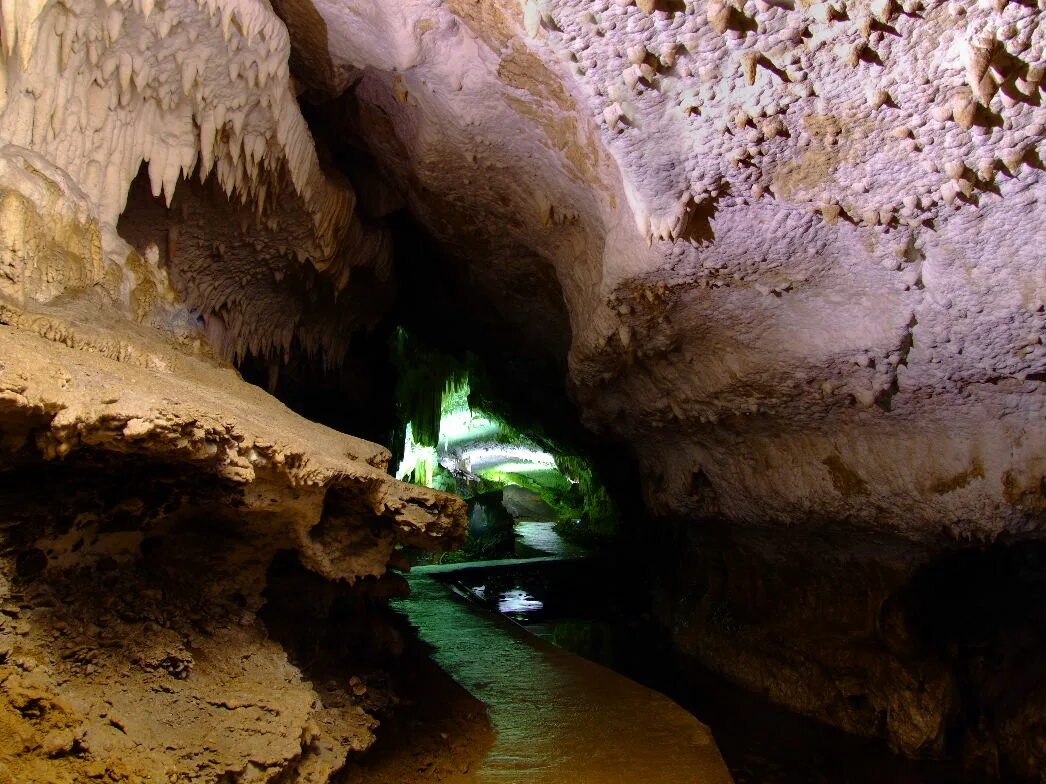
pixel 797 244
pixel 142 507
pixel 792 253
pixel 936 650
pixel 795 248
pixel 150 498
pixel 798 247
pixel 103 91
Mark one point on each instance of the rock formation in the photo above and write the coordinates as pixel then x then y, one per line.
pixel 149 494
pixel 797 249
pixel 790 253
pixel 790 270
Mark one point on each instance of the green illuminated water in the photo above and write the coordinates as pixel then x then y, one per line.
pixel 559 719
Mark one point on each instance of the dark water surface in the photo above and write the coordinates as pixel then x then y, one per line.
pixel 588 606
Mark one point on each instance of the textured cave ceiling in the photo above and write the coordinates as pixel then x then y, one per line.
pixel 783 256
pixel 790 252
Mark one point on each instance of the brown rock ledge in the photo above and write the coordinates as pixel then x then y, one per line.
pixel 142 507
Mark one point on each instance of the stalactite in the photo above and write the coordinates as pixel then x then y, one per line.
pixel 425 379
pixel 149 93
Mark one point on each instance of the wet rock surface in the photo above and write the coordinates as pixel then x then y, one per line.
pixel 940 655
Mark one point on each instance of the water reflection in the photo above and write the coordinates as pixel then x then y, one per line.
pixel 543 538
pixel 586 608
pixel 559 718
pixel 517 601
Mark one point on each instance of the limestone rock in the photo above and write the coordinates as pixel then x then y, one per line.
pixel 151 503
pixel 792 254
pixel 813 363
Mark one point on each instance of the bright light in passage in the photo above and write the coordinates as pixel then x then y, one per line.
pixel 414 457
pixel 520 468
pixel 459 426
pixel 518 458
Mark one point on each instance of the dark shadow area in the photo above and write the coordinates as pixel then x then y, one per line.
pixel 358 397
pixel 104 493
pixel 585 607
pixel 984 612
pixel 359 653
pixel 939 655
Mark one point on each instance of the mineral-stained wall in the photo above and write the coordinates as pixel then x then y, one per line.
pixel 801 249
pixel 799 245
pixel 151 502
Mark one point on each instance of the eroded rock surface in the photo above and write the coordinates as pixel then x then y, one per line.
pixel 792 252
pixel 798 245
pixel 142 510
pixel 940 654
pixel 798 250
pixel 148 495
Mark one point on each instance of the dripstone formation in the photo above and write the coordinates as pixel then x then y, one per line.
pixel 789 254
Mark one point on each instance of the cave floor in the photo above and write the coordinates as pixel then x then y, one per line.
pixel 557 717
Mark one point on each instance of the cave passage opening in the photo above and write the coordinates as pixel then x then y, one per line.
pixel 528 495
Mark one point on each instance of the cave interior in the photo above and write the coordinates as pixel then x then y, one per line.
pixel 629 391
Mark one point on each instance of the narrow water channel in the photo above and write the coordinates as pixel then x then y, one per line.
pixel 558 718
pixel 541 537
pixel 588 606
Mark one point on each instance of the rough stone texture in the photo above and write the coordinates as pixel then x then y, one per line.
pixel 938 653
pixel 141 507
pixel 150 499
pixel 798 245
pixel 799 249
pixel 794 250
pixel 197 89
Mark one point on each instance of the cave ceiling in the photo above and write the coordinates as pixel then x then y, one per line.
pixel 793 251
